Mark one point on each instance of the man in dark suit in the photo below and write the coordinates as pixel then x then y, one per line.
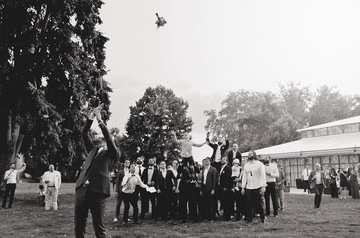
pixel 165 186
pixel 225 186
pixel 209 178
pixel 93 184
pixel 219 150
pixel 234 154
pixel 149 177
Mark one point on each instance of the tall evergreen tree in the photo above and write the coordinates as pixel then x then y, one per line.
pixel 51 69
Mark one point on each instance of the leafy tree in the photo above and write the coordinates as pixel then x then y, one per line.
pixel 246 117
pixel 51 70
pixel 295 100
pixel 329 105
pixel 151 121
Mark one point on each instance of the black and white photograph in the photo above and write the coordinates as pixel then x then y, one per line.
pixel 183 118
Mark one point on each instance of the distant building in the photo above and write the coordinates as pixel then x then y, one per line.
pixel 332 144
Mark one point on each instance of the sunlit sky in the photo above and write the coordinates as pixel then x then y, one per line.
pixel 211 47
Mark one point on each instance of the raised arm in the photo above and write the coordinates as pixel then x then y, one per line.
pixel 173 133
pixel 22 169
pixel 85 133
pixel 108 137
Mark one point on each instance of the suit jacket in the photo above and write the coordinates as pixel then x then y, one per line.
pixel 145 179
pixel 57 181
pixel 211 179
pixel 312 175
pixel 98 165
pixel 167 183
pixel 231 155
pixel 225 178
pixel 119 179
pixel 215 146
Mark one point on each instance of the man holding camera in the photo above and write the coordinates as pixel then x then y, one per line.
pixel 52 181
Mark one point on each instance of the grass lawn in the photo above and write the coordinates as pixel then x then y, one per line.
pixel 335 218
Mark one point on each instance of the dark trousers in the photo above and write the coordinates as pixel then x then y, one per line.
pixel 86 200
pixel 334 190
pixel 145 198
pixel 227 203
pixel 188 196
pixel 164 203
pixel 209 204
pixel 240 202
pixel 118 204
pixel 270 191
pixel 9 193
pixel 306 185
pixel 174 210
pixel 130 198
pixel 319 188
pixel 217 165
pixel 254 203
pixel 200 203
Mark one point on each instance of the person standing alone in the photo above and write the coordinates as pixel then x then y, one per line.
pixel 305 178
pixel 52 181
pixel 10 177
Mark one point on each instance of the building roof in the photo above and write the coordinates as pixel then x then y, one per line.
pixel 346 121
pixel 340 144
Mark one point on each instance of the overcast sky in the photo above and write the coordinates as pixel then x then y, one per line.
pixel 209 48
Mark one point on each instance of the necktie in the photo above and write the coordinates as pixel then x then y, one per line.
pixel 140 171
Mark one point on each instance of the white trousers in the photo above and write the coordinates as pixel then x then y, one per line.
pixel 51 196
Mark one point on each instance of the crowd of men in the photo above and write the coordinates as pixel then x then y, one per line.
pixel 223 187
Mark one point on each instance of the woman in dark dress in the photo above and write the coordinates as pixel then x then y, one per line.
pixel 353 183
pixel 343 182
pixel 333 186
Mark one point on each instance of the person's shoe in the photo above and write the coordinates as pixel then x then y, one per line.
pixel 115 219
pixel 275 215
pixel 263 221
pixel 125 223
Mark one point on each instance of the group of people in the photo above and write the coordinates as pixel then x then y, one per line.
pixel 182 189
pixel 342 181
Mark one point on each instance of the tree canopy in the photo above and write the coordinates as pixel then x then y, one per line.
pixel 151 121
pixel 260 119
pixel 52 68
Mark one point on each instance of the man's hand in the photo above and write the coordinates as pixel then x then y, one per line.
pixel 243 191
pixel 97 112
pixel 262 190
pixel 212 193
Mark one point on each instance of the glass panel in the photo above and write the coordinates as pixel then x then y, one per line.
pixel 353 160
pixel 344 159
pixel 351 128
pixel 315 161
pixel 325 161
pixel 321 132
pixel 310 133
pixel 335 130
pixel 304 134
pixel 334 161
pixel 301 162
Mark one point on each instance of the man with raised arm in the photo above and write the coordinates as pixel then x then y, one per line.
pixel 93 184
